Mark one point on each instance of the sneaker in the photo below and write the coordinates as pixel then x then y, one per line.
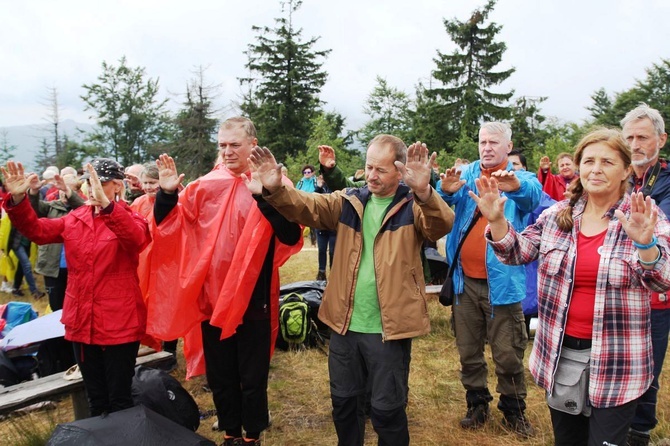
pixel 37 295
pixel 17 292
pixel 231 441
pixel 248 442
pixel 6 287
pixel 636 438
pixel 519 424
pixel 476 416
pixel 321 275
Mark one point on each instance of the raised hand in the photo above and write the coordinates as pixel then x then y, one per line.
pixel 96 194
pixel 491 204
pixel 451 180
pixel 642 221
pixel 327 156
pixel 416 171
pixel 263 164
pixel 36 184
pixel 168 178
pixel 16 181
pixel 507 180
pixel 545 163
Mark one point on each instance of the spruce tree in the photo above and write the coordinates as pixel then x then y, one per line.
pixel 284 83
pixel 467 75
pixel 194 146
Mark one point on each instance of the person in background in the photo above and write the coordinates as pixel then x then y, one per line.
pixel 529 303
pixel 104 312
pixel 556 185
pixel 144 205
pixel 48 182
pixel 644 131
pixel 601 254
pixel 308 184
pixel 133 183
pixel 325 239
pixel 488 294
pixel 51 262
pixel 55 193
pixel 375 299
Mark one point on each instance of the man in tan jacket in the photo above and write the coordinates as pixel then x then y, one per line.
pixel 375 299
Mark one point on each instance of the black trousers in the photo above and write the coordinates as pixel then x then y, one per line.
pixel 55 287
pixel 237 371
pixel 108 372
pixel 604 426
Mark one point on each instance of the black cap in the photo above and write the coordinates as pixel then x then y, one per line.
pixel 107 170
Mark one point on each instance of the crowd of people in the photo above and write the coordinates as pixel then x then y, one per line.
pixel 140 257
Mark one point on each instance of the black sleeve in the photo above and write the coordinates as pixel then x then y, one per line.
pixel 164 204
pixel 287 232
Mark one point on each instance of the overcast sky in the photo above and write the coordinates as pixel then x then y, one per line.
pixel 563 49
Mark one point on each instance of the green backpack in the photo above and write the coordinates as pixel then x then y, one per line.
pixel 294 319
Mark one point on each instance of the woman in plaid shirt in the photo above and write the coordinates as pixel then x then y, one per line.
pixel 601 253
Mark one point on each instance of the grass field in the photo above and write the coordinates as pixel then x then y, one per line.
pixel 300 400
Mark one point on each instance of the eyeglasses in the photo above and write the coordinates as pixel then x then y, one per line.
pixel 305 172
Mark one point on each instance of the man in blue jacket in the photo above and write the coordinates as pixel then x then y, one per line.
pixel 488 293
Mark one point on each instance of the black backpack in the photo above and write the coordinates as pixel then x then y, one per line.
pixel 160 392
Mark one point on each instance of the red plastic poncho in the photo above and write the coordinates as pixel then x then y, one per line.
pixel 205 261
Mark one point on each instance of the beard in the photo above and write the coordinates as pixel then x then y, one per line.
pixel 646 160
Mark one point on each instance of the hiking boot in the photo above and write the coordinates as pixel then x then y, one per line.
pixel 476 416
pixel 17 292
pixel 519 424
pixel 636 438
pixel 321 275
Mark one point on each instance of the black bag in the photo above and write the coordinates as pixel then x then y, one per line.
pixel 160 392
pixel 447 291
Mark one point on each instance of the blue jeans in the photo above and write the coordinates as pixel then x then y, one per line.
pixel 26 267
pixel 645 415
pixel 326 243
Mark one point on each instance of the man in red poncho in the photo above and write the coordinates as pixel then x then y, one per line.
pixel 215 260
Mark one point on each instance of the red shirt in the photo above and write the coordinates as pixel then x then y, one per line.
pixel 580 313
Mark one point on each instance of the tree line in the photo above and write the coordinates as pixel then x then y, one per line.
pixel 281 94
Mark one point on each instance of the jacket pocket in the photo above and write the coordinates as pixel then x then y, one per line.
pixel 117 305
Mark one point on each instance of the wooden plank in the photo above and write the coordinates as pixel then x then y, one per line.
pixel 30 392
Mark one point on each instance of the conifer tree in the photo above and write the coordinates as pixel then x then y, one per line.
pixel 194 147
pixel 284 83
pixel 468 75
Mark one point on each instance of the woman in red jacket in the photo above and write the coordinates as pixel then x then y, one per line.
pixel 103 313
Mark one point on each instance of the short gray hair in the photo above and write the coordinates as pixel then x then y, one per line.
pixel 502 128
pixel 240 122
pixel 643 111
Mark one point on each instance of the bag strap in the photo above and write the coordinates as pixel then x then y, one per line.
pixel 651 180
pixel 460 244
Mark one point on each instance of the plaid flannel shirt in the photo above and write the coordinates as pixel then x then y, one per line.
pixel 621 355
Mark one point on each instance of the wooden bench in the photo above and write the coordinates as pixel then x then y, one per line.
pixel 433 289
pixel 31 392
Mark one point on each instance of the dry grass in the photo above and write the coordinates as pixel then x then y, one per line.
pixel 300 400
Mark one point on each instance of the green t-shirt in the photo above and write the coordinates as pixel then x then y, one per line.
pixel 366 317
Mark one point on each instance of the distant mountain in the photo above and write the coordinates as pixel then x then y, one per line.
pixel 27 138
